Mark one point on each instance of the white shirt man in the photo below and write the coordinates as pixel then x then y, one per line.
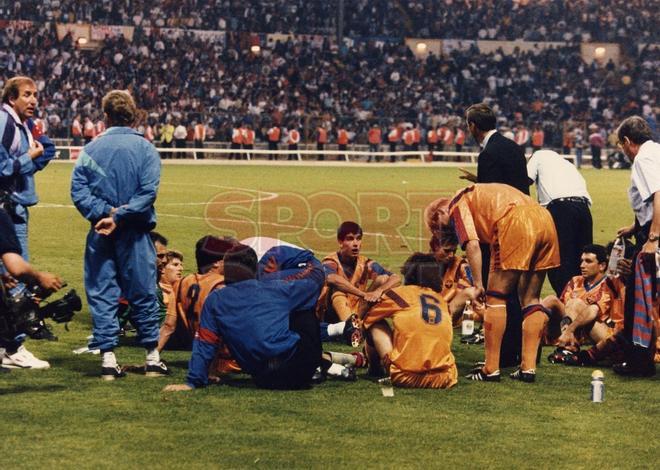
pixel 563 191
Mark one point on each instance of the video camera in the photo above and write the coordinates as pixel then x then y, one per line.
pixel 23 312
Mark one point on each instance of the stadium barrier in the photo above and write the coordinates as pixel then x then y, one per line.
pixel 228 155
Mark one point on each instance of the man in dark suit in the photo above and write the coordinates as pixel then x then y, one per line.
pixel 501 160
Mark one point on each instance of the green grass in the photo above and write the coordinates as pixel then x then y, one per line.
pixel 68 417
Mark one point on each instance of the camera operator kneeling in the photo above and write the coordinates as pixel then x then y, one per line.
pixel 15 355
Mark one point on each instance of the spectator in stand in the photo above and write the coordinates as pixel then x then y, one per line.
pixel 559 78
pixel 448 19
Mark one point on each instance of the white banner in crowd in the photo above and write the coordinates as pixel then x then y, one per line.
pixel 99 32
pixel 77 30
pixel 15 24
pixel 175 33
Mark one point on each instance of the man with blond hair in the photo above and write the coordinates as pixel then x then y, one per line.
pixel 114 186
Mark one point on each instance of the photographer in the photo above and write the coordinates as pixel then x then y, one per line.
pixel 15 355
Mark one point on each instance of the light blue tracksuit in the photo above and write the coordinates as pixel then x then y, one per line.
pixel 119 169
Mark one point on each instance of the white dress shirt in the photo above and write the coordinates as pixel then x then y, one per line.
pixel 645 181
pixel 555 177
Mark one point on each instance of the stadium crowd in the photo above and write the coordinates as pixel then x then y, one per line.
pixel 534 20
pixel 186 80
pixel 511 243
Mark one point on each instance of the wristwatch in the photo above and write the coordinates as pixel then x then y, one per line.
pixel 653 237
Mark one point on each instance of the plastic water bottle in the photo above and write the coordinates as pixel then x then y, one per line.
pixel 616 254
pixel 597 387
pixel 467 325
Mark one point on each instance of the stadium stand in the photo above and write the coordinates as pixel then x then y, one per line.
pixel 220 81
pixel 534 20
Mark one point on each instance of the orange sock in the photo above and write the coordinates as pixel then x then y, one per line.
pixel 532 330
pixel 494 326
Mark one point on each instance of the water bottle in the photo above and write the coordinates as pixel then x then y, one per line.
pixel 616 254
pixel 467 325
pixel 597 387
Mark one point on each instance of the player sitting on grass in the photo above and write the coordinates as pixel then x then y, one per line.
pixel 348 331
pixel 268 324
pixel 456 278
pixel 584 310
pixel 352 277
pixel 416 350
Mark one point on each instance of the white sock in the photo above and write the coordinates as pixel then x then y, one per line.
pixel 342 358
pixel 153 356
pixel 108 359
pixel 335 370
pixel 336 329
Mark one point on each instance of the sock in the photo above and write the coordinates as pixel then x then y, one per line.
pixel 494 326
pixel 343 359
pixel 153 356
pixel 335 370
pixel 336 329
pixel 532 330
pixel 108 359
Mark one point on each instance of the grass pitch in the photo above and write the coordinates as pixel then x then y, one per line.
pixel 67 417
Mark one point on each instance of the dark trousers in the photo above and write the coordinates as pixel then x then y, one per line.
pixel 272 146
pixel 512 340
pixel 595 157
pixel 293 156
pixel 574 230
pixel 392 150
pixel 297 371
pixel 320 146
pixel 180 144
pixel 235 146
pixel 247 147
pixel 199 144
